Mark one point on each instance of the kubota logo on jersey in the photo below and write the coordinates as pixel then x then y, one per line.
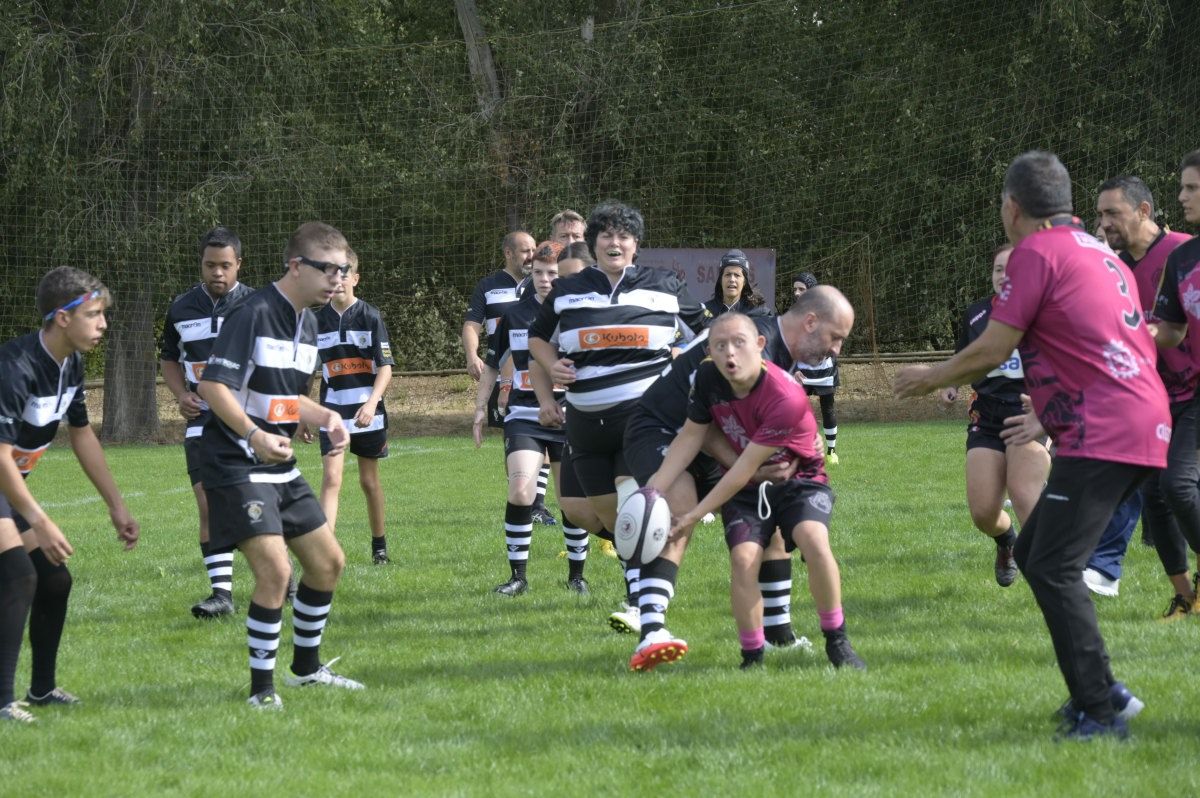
pixel 283 410
pixel 349 365
pixel 604 337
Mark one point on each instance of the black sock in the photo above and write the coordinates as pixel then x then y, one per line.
pixel 310 611
pixel 262 637
pixel 18 582
pixel 1009 538
pixel 379 544
pixel 518 532
pixel 47 617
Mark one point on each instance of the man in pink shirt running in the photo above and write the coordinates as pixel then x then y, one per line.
pixel 1071 307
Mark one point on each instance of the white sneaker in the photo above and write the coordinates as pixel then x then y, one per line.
pixel 1100 584
pixel 266 700
pixel 325 676
pixel 801 643
pixel 627 620
pixel 708 518
pixel 16 711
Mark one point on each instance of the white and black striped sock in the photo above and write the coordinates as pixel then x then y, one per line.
pixel 518 532
pixel 655 590
pixel 262 638
pixel 576 541
pixel 219 564
pixel 775 582
pixel 310 611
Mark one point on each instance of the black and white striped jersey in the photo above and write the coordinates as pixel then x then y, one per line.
pixel 619 337
pixel 265 353
pixel 191 326
pixel 667 399
pixel 492 296
pixel 36 391
pixel 352 346
pixel 512 339
pixel 819 375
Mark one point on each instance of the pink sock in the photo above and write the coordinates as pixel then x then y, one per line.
pixel 752 640
pixel 831 619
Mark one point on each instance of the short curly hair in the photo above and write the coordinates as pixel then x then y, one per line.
pixel 613 215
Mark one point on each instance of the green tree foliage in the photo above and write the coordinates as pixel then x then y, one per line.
pixel 865 141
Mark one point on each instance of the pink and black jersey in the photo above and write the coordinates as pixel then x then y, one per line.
pixel 36 392
pixel 1177 367
pixel 1088 357
pixel 775 413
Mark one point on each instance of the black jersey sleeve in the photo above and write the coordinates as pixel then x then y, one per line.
pixel 233 351
pixel 383 342
pixel 477 305
pixel 168 343
pixel 1167 305
pixel 17 388
pixel 698 407
pixel 77 414
pixel 964 331
pixel 498 343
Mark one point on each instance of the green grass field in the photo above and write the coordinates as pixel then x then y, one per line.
pixel 472 694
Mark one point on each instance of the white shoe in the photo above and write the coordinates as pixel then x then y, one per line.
pixel 267 700
pixel 1100 584
pixel 323 675
pixel 627 620
pixel 798 644
pixel 16 711
pixel 708 518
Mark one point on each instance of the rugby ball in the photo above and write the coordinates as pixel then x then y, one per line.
pixel 642 526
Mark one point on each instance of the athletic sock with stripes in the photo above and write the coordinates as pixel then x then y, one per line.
pixel 518 532
pixel 218 561
pixel 655 590
pixel 310 611
pixel 262 637
pixel 576 541
pixel 775 582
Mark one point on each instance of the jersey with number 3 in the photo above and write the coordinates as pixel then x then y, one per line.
pixel 1088 356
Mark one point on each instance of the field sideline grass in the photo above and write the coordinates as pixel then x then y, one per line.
pixel 472 694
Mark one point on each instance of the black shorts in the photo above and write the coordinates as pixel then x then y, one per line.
pixel 7 511
pixel 822 390
pixel 193 454
pixel 986 422
pixel 598 446
pixel 373 445
pixel 791 503
pixel 568 480
pixel 239 512
pixel 529 436
pixel 494 417
pixel 646 442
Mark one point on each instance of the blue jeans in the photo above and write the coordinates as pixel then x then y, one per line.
pixel 1110 551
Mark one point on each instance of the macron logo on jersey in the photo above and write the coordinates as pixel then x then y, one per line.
pixel 220 361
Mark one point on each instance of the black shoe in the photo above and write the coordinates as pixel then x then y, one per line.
pixel 1006 566
pixel 577 584
pixel 214 606
pixel 513 587
pixel 380 557
pixel 841 653
pixel 1085 727
pixel 544 517
pixel 751 659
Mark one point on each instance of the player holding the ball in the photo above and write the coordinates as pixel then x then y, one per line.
pixel 765 416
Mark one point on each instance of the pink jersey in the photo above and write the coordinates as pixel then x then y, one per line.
pixel 775 413
pixel 1178 367
pixel 1089 359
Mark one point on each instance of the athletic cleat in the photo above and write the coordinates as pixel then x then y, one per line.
pixel 1006 566
pixel 578 585
pixel 626 621
pixel 751 659
pixel 658 648
pixel 607 548
pixel 708 518
pixel 214 606
pixel 1124 703
pixel 267 699
pixel 543 516
pixel 1085 727
pixel 795 644
pixel 324 676
pixel 513 587
pixel 1100 584
pixel 57 696
pixel 380 557
pixel 1178 609
pixel 831 459
pixel 841 653
pixel 16 712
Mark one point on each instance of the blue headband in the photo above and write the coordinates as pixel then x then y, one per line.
pixel 74 303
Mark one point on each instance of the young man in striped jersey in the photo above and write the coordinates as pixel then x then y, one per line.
pixel 260 365
pixel 356 368
pixel 191 326
pixel 820 379
pixel 526 441
pixel 42 375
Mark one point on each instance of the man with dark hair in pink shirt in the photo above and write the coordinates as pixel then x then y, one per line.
pixel 1071 306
